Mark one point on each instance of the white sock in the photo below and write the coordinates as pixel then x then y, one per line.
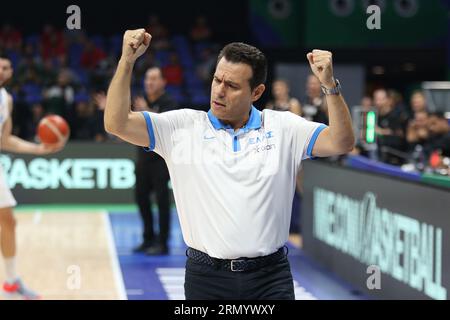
pixel 10 268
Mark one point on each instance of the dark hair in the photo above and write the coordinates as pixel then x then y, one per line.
pixel 156 68
pixel 238 52
pixel 5 57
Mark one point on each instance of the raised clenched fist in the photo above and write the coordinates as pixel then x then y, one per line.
pixel 321 63
pixel 135 42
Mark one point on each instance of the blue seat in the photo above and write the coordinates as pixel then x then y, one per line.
pixel 14 57
pixel 81 97
pixel 200 99
pixel 75 51
pixel 115 43
pixel 82 76
pixel 31 89
pixel 33 98
pixel 32 39
pixel 99 41
pixel 163 57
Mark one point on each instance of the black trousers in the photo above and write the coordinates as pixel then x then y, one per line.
pixel 273 282
pixel 153 176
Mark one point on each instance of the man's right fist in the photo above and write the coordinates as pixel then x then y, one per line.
pixel 135 42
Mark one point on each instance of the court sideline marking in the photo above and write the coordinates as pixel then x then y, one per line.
pixel 117 272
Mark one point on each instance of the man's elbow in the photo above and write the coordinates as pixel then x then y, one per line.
pixel 348 145
pixel 108 127
pixel 111 128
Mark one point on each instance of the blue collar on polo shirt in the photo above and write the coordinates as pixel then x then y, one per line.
pixel 254 121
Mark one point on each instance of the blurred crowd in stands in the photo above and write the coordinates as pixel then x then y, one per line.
pixel 68 72
pixel 407 132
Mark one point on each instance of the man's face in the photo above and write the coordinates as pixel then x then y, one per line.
pixel 154 82
pixel 380 99
pixel 5 70
pixel 231 95
pixel 280 89
pixel 313 86
pixel 418 102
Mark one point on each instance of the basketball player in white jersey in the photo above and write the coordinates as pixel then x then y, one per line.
pixel 13 286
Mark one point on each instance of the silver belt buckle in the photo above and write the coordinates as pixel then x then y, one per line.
pixel 234 269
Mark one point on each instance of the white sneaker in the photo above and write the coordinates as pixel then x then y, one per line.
pixel 17 290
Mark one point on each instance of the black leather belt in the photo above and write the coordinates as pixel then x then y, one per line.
pixel 236 265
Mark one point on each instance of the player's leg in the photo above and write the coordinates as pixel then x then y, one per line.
pixel 160 181
pixel 13 285
pixel 8 241
pixel 142 196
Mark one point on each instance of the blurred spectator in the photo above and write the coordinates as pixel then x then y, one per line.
pixel 91 55
pixel 10 38
pixel 83 122
pixel 144 63
pixel 206 65
pixel 60 96
pixel 366 103
pixel 21 115
pixel 417 131
pixel 439 130
pixel 314 106
pixel 400 110
pixel 200 31
pixel 418 103
pixel 390 129
pixel 28 71
pixel 38 112
pixel 99 99
pixel 396 100
pixel 281 99
pixel 152 174
pixel 32 69
pixel 173 72
pixel 47 74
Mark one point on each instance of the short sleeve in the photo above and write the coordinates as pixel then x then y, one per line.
pixel 304 134
pixel 161 128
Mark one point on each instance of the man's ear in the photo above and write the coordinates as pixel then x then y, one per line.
pixel 258 91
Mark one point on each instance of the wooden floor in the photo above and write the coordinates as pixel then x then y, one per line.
pixel 67 255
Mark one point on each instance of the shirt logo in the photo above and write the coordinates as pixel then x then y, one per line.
pixel 256 140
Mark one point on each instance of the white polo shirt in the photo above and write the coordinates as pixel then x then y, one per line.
pixel 233 190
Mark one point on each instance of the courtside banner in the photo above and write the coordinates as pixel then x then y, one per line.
pixel 80 173
pixel 386 236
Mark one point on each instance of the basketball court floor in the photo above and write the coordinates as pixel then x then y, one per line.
pixel 85 252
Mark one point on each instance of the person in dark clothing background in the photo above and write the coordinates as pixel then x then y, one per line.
pixel 391 127
pixel 439 139
pixel 151 170
pixel 314 107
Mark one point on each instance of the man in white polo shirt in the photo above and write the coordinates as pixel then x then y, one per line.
pixel 232 169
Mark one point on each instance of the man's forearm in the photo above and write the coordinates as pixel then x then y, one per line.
pixel 340 122
pixel 118 100
pixel 16 145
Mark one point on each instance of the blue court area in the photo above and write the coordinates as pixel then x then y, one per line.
pixel 162 277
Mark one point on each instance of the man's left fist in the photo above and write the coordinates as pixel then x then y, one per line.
pixel 321 63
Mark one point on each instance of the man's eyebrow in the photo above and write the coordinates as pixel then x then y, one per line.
pixel 227 81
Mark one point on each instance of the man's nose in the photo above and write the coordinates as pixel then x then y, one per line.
pixel 221 90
